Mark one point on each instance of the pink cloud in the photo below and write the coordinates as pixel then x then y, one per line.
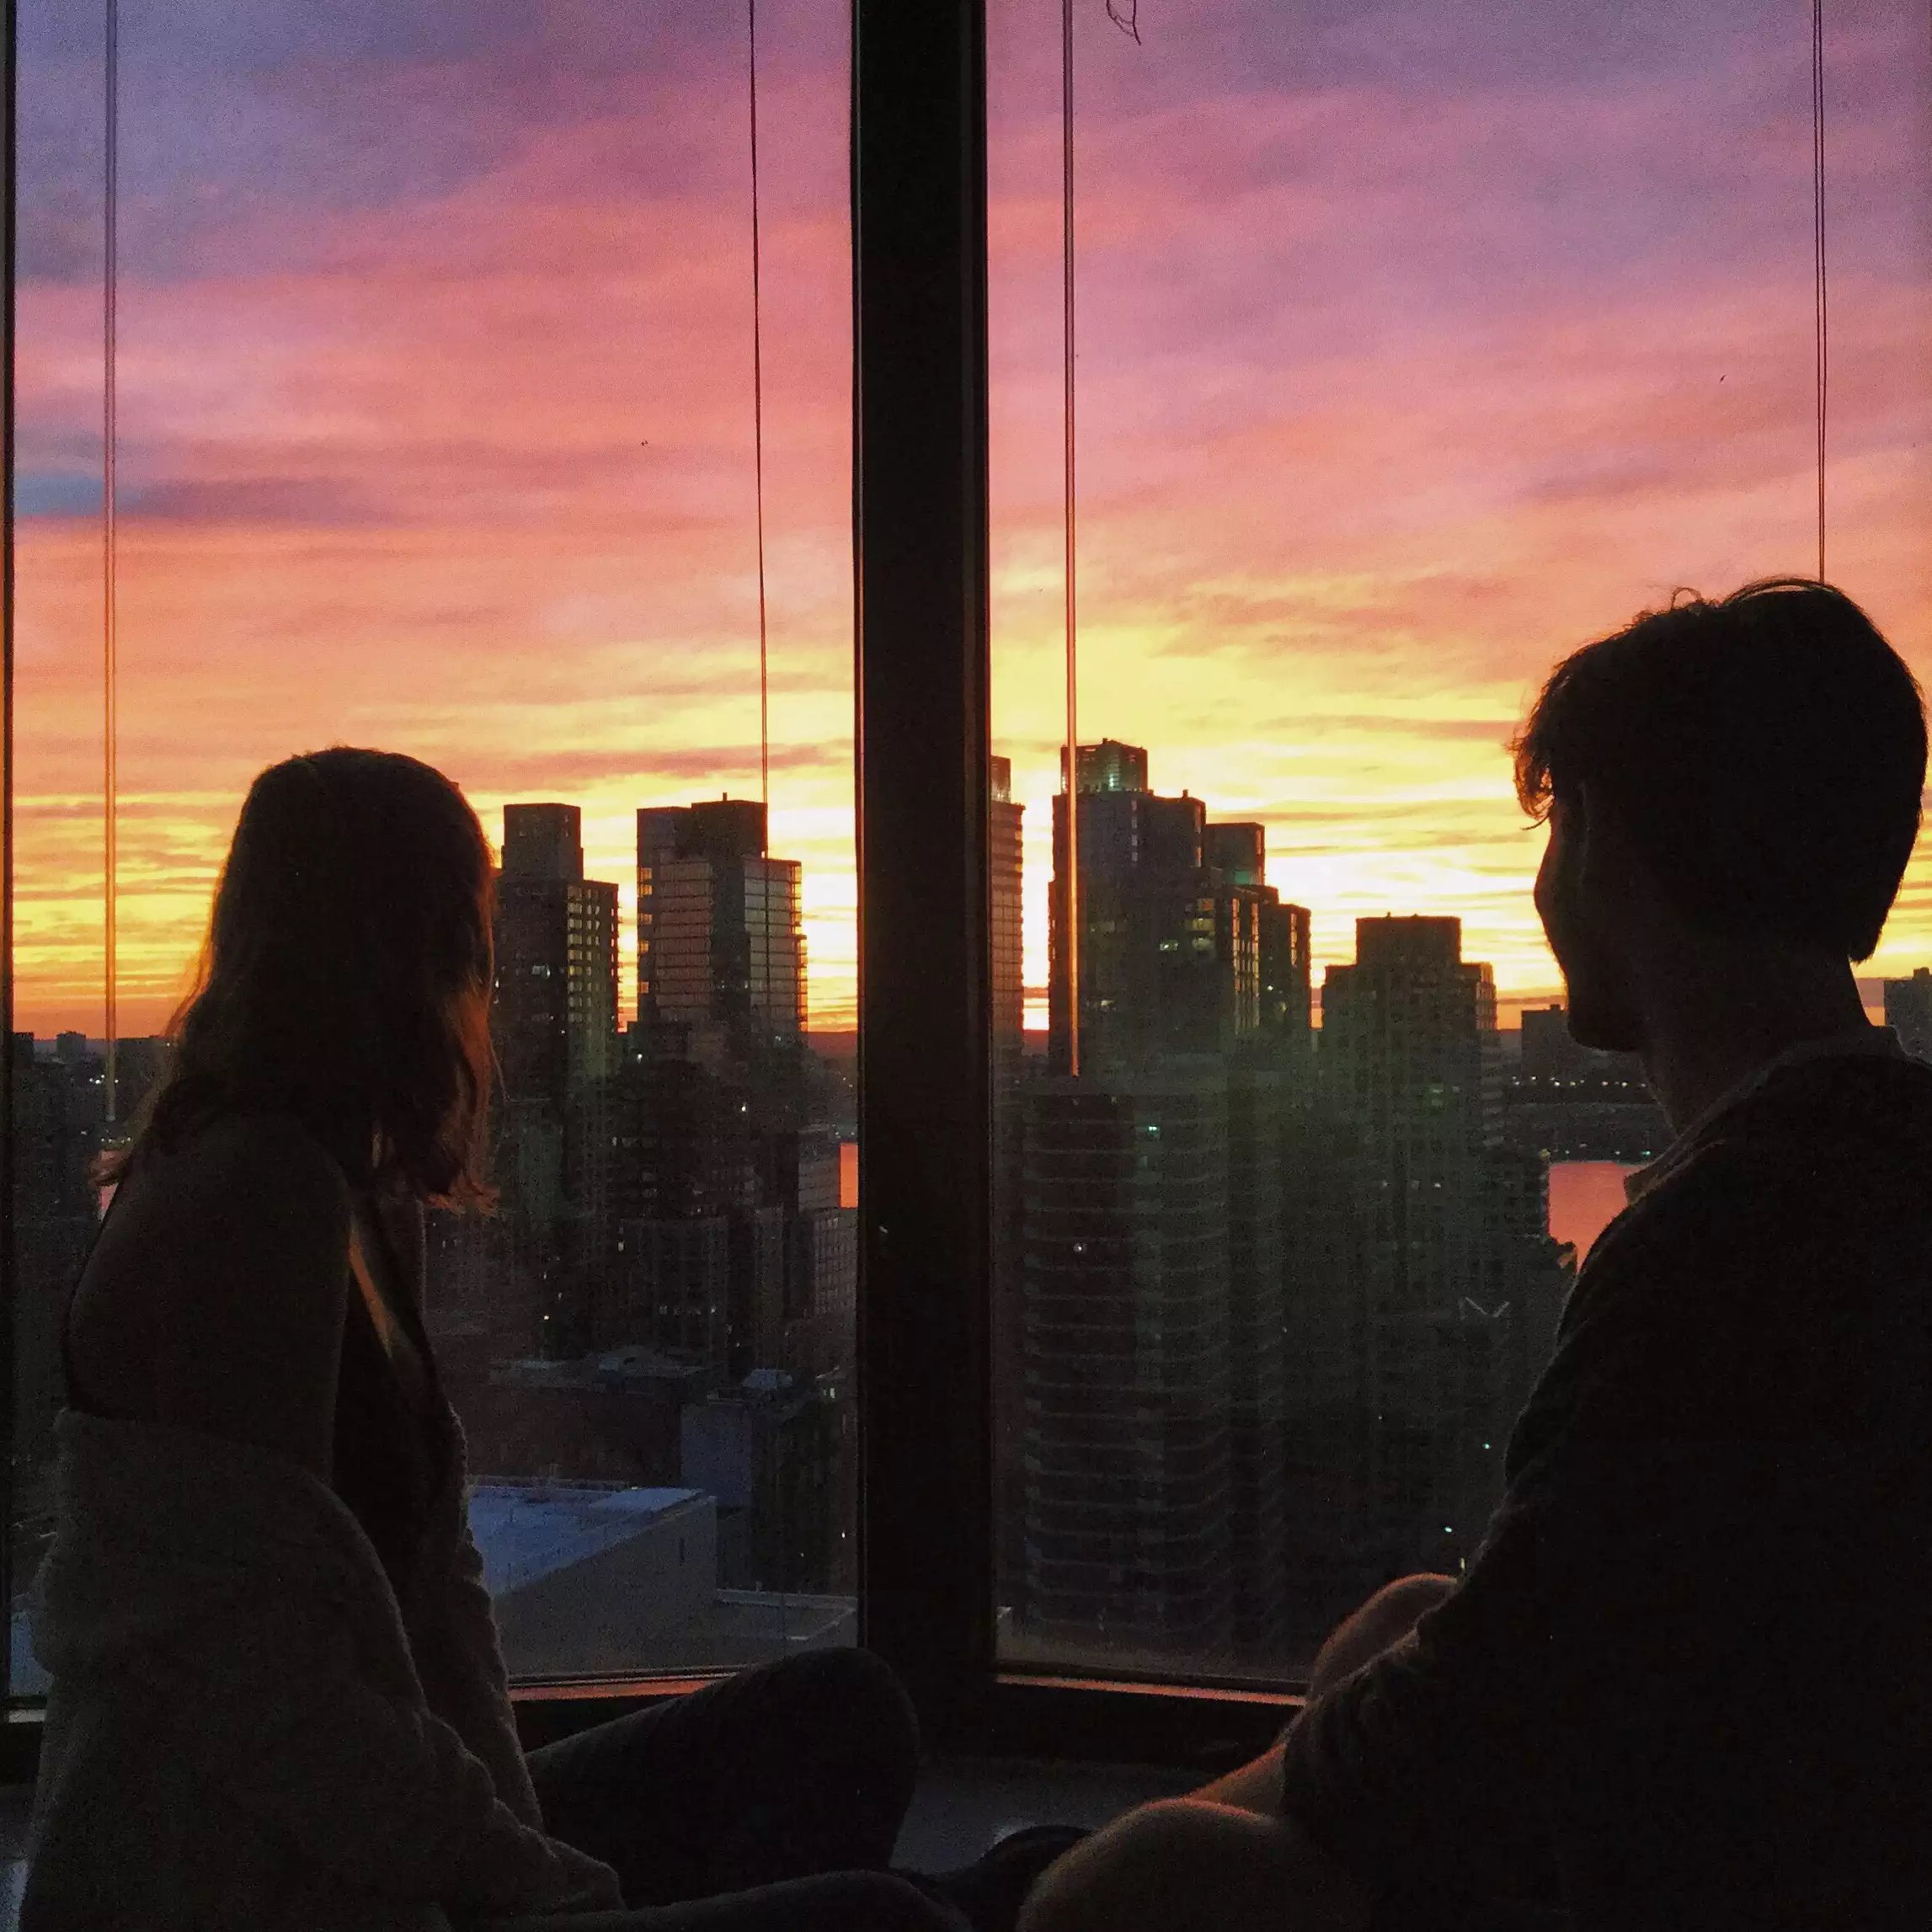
pixel 1398 377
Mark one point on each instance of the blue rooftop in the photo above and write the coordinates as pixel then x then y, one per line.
pixel 527 1530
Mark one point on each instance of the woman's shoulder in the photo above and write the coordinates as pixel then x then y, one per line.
pixel 250 1165
pixel 217 1302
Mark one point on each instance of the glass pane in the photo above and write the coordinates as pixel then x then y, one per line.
pixel 437 431
pixel 1416 346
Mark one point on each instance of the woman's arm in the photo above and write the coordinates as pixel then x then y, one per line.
pixel 281 1714
pixel 459 1657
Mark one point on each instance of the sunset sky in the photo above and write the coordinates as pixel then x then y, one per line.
pixel 1418 343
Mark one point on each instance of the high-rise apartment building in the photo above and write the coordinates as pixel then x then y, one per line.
pixel 555 1021
pixel 1005 820
pixel 1455 1270
pixel 720 947
pixel 1152 1318
pixel 1184 947
pixel 1005 842
pixel 1128 1529
pixel 1147 957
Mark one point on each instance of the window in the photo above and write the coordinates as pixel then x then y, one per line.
pixel 1412 351
pixel 437 421
pixel 1413 348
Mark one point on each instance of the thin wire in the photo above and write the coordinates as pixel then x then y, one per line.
pixel 1821 285
pixel 109 405
pixel 10 87
pixel 1071 941
pixel 758 428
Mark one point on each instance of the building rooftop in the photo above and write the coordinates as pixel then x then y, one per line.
pixel 612 1369
pixel 527 1530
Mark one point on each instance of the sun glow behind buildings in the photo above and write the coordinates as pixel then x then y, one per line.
pixel 1409 357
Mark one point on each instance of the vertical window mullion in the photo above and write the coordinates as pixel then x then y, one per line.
pixel 919 521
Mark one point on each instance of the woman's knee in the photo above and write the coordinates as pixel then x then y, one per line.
pixel 848 1704
pixel 860 1689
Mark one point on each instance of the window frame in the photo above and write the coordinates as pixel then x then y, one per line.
pixel 924 688
pixel 922 696
pixel 19 1743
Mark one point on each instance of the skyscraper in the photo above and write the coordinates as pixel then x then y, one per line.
pixel 1184 946
pixel 1456 1273
pixel 555 1021
pixel 1005 842
pixel 1152 1314
pixel 1005 855
pixel 1147 959
pixel 720 946
pixel 1128 1531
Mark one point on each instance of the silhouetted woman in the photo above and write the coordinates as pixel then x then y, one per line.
pixel 278 1697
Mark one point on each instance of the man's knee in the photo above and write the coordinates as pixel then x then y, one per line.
pixel 1182 1864
pixel 1404 1602
pixel 1385 1619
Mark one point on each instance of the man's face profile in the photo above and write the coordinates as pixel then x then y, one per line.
pixel 1578 925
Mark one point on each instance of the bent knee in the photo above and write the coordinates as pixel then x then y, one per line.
pixel 1412 1598
pixel 1169 1866
pixel 854 1689
pixel 1393 1612
pixel 1171 1830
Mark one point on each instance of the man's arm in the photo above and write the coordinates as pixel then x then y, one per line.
pixel 1609 1708
pixel 1386 1619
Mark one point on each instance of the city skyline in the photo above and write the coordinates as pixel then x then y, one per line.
pixel 1035 890
pixel 1411 358
pixel 1278 1294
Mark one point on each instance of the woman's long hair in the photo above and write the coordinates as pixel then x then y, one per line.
pixel 346 977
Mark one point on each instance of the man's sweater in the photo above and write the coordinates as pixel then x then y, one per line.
pixel 1688 1679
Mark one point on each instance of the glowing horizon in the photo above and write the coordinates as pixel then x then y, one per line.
pixel 1411 356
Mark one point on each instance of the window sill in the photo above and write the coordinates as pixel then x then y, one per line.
pixel 1206 1728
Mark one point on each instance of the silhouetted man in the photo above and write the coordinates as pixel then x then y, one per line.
pixel 1688 1679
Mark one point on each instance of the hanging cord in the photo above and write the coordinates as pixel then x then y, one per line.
pixel 1071 945
pixel 1125 14
pixel 1821 285
pixel 758 425
pixel 110 723
pixel 758 491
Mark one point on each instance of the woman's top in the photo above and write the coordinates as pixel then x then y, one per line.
pixel 391 1447
pixel 390 1450
pixel 244 1729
